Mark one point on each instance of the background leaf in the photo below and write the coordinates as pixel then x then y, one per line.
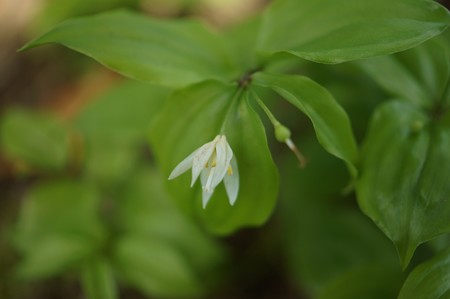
pixel 98 280
pixel 114 137
pixel 145 209
pixel 404 178
pixel 429 280
pixel 330 245
pixel 330 121
pixel 57 228
pixel 154 267
pixel 371 281
pixel 34 138
pixel 419 75
pixel 340 30
pixel 167 52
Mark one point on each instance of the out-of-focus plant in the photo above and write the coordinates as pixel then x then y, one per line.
pixel 101 211
pixel 218 82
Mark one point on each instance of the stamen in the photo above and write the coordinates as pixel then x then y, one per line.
pixel 230 170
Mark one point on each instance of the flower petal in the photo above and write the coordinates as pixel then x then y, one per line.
pixel 202 156
pixel 183 166
pixel 205 198
pixel 203 179
pixel 231 182
pixel 223 157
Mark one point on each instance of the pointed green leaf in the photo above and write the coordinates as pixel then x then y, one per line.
pixel 168 52
pixel 333 31
pixel 193 117
pixel 35 138
pixel 430 280
pixel 54 12
pixel 330 121
pixel 419 75
pixel 404 178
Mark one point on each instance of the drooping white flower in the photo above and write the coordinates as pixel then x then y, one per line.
pixel 213 162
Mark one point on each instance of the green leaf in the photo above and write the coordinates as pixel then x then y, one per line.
pixel 109 161
pixel 325 238
pixel 168 52
pixel 194 116
pixel 419 75
pixel 114 136
pixel 330 121
pixel 430 280
pixel 394 78
pixel 55 11
pixel 404 178
pixel 155 267
pixel 146 209
pixel 57 227
pixel 106 118
pixel 35 138
pixel 242 40
pixel 98 280
pixel 54 254
pixel 59 207
pixel 373 281
pixel 333 31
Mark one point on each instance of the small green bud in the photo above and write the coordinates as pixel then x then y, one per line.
pixel 282 133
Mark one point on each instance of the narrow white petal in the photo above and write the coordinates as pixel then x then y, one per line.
pixel 223 157
pixel 231 182
pixel 202 156
pixel 205 198
pixel 204 176
pixel 208 187
pixel 182 167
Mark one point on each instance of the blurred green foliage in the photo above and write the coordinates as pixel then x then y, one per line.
pixel 97 207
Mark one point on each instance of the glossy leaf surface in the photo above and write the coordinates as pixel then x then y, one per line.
pixel 168 52
pixel 404 181
pixel 333 31
pixel 420 75
pixel 330 121
pixel 429 280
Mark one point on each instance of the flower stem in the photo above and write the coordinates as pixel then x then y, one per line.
pixel 282 133
pixel 230 109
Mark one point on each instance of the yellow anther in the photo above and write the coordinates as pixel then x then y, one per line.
pixel 230 170
pixel 213 164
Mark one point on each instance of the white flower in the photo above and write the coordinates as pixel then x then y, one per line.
pixel 213 162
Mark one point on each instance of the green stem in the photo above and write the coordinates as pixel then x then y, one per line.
pixel 269 114
pixel 228 114
pixel 282 133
